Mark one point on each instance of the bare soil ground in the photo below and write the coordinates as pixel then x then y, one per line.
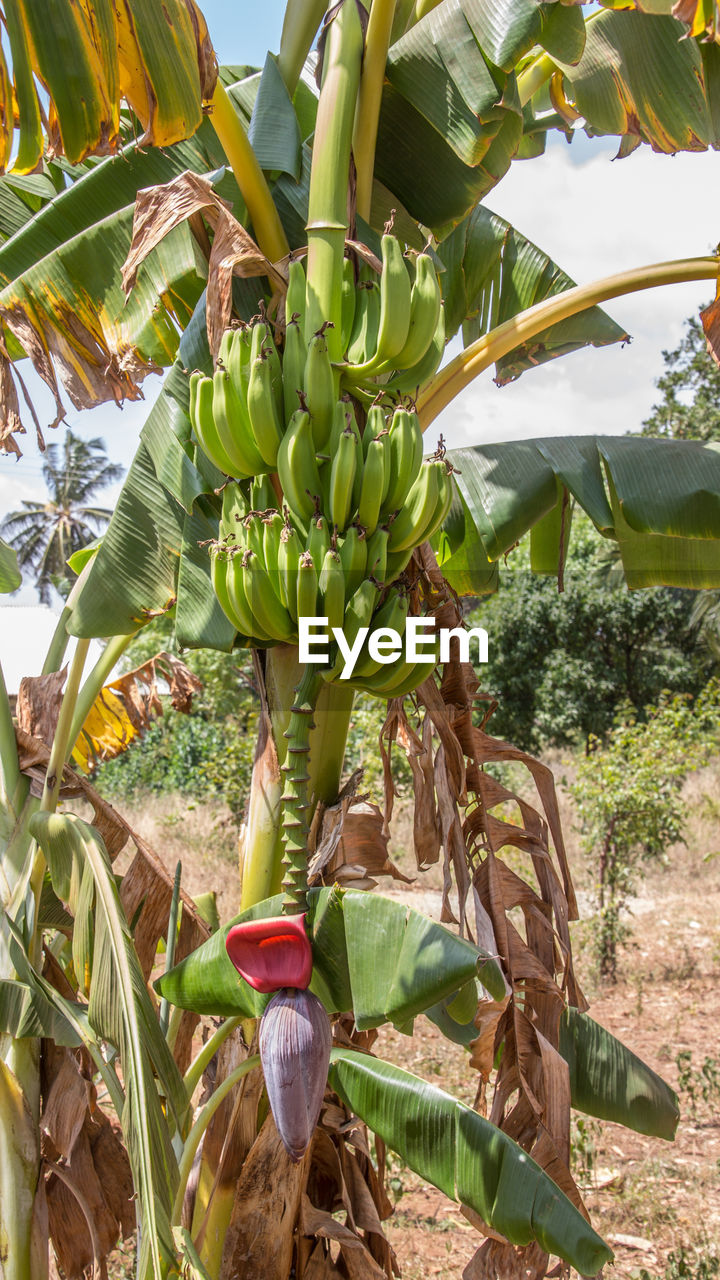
pixel 646 1197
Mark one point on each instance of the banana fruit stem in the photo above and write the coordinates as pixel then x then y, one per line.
pixel 249 176
pixel 377 44
pixel 327 204
pixel 459 373
pixel 296 796
pixel 534 77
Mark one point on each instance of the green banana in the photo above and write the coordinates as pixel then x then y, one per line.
pixel 373 484
pixel 396 563
pixel 307 587
pixel 425 508
pixel 363 339
pixel 237 592
pixel 407 381
pixel 406 450
pixel 219 565
pixel 268 611
pixel 288 559
pixel 263 344
pixel 353 552
pixel 392 614
pixel 206 428
pixel 262 494
pixel 265 419
pixel 425 304
pixel 318 539
pixel 407 529
pixel 394 320
pixel 342 478
pixel 238 361
pixel 233 426
pixel 358 614
pixel 377 553
pixel 332 588
pixel 320 389
pixel 374 423
pixel 297 468
pixel 395 681
pixel 348 303
pixel 234 510
pixel 294 357
pixel 295 297
pixel 273 525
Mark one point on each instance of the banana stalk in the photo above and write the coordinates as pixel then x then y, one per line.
pixel 249 176
pixel 459 373
pixel 296 795
pixel 377 44
pixel 327 205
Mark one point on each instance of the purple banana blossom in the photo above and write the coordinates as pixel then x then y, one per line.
pixel 295 1040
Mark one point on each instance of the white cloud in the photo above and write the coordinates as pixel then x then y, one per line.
pixel 596 216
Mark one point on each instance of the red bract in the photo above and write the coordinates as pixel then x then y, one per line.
pixel 271 953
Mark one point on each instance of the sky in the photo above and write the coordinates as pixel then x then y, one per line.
pixel 593 215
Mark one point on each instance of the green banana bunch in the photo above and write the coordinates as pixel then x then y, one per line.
pixel 295 296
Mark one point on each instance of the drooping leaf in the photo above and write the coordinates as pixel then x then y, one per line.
pixel 492 273
pixel 659 498
pixel 107 969
pixel 159 60
pixel 274 131
pixel 465 1156
pixel 641 80
pixel 607 1080
pixel 10 576
pixel 371 955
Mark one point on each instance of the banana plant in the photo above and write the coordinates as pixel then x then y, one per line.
pixel 291 443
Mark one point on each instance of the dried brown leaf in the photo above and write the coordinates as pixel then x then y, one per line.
pixel 38 704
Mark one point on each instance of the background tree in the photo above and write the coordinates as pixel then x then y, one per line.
pixel 561 663
pixel 46 534
pixel 690 387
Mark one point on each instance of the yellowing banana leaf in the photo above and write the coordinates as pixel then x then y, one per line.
pixel 120 1011
pixel 90 57
pixel 370 954
pixel 466 1157
pixel 607 1080
pixel 660 499
pixel 10 576
pixel 125 707
pixel 492 273
pixel 642 80
pixel 451 121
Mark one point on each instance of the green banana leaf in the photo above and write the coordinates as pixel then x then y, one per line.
pixel 370 954
pixel 10 576
pixel 24 1007
pixel 451 120
pixel 120 1011
pixel 608 1081
pixel 491 273
pixel 466 1157
pixel 660 499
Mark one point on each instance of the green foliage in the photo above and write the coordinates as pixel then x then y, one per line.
pixel 46 534
pixel 206 753
pixel 682 1265
pixel 690 404
pixel 561 664
pixel 628 798
pixel 698 1082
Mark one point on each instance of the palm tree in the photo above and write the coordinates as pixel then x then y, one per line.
pixel 45 534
